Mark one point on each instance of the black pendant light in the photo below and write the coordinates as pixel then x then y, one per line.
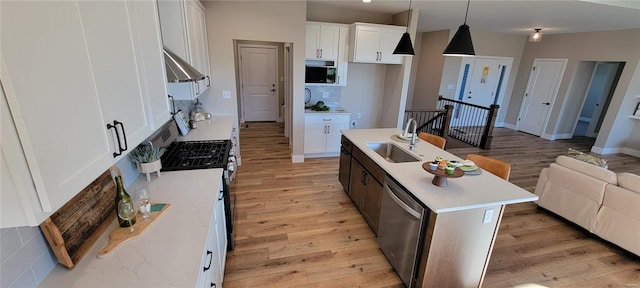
pixel 404 46
pixel 461 44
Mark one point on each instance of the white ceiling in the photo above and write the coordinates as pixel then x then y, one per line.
pixel 511 17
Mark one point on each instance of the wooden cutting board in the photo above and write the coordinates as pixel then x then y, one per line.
pixel 74 228
pixel 121 235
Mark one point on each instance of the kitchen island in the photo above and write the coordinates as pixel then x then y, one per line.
pixel 463 217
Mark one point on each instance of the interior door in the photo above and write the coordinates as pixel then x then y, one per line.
pixel 484 80
pixel 259 79
pixel 542 89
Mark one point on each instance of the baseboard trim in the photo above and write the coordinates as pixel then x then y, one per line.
pixel 630 151
pixel 564 136
pixel 297 158
pixel 507 125
pixel 548 136
pixel 322 155
pixel 604 151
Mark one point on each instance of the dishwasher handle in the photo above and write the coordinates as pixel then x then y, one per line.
pixel 400 203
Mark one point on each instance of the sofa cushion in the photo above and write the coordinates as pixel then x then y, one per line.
pixel 618 220
pixel 585 168
pixel 573 195
pixel 575 154
pixel 629 181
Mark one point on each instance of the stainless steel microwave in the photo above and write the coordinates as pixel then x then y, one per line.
pixel 320 74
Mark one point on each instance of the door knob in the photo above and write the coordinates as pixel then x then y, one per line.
pixel 273 90
pixel 546 103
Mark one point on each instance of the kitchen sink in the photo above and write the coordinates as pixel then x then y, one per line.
pixel 392 153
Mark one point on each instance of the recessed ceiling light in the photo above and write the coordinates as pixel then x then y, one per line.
pixel 366 1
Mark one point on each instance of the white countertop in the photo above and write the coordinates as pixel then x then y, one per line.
pixel 467 192
pixel 332 110
pixel 216 128
pixel 168 253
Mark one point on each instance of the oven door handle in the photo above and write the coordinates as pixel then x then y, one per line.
pixel 221 195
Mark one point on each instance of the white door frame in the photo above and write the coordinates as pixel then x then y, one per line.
pixel 242 96
pixel 288 89
pixel 553 98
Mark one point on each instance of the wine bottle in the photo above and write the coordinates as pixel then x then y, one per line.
pixel 122 194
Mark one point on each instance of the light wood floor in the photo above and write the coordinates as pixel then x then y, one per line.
pixel 297 228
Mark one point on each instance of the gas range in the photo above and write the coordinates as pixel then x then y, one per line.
pixel 189 155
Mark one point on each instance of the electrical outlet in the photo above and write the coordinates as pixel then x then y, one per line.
pixel 359 115
pixel 451 87
pixel 488 215
pixel 226 94
pixel 325 95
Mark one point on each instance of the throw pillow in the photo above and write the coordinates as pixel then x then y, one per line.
pixel 575 154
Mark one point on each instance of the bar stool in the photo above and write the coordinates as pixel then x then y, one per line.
pixel 494 166
pixel 433 139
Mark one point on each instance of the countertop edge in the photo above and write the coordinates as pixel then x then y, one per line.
pixel 423 150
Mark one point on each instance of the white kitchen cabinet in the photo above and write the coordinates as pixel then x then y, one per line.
pixel 374 43
pixel 322 132
pixel 339 59
pixel 91 70
pixel 322 41
pixel 214 257
pixel 184 31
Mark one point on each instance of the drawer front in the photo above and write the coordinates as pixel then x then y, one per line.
pixel 326 118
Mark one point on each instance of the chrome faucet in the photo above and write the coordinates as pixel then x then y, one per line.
pixel 412 144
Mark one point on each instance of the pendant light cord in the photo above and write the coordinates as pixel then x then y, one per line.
pixel 409 15
pixel 465 14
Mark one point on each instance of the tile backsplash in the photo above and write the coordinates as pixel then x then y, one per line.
pixel 25 257
pixel 330 95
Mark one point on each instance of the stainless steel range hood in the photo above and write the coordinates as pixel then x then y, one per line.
pixel 179 70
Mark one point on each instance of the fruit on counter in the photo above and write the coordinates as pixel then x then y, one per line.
pixel 319 106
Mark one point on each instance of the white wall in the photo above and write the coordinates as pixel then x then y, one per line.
pixel 273 21
pixel 364 99
pixel 429 69
pixel 615 46
pixel 486 44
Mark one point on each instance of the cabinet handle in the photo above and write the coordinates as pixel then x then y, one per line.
pixel 115 128
pixel 380 59
pixel 208 81
pixel 362 177
pixel 209 253
pixel 109 126
pixel 366 178
pixel 124 135
pixel 213 285
pixel 320 53
pixel 221 196
pixel 317 53
pixel 337 79
pixel 325 119
pixel 328 129
pixel 197 84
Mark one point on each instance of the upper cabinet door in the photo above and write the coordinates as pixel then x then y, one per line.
pixel 313 38
pixel 322 41
pixel 53 97
pixel 366 44
pixel 389 38
pixel 374 43
pixel 329 38
pixel 114 64
pixel 184 31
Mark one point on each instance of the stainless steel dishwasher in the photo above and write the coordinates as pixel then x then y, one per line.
pixel 402 220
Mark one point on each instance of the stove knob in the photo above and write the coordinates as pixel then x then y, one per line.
pixel 231 167
pixel 232 151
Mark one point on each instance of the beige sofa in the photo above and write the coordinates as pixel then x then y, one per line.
pixel 603 202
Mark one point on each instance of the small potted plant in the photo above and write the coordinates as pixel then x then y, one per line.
pixel 147 159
